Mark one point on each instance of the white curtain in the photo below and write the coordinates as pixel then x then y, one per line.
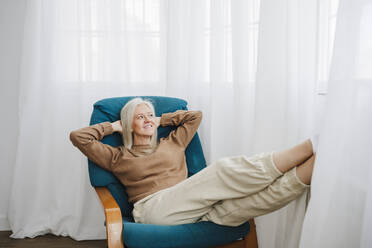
pixel 340 210
pixel 286 105
pixel 250 66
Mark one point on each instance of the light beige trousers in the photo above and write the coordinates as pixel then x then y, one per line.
pixel 228 192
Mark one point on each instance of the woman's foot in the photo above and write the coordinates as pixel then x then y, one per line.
pixel 296 155
pixel 305 171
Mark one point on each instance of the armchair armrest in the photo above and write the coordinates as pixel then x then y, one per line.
pixel 114 223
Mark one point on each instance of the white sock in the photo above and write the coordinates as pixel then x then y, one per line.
pixel 314 140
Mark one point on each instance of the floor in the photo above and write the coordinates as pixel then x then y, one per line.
pixel 49 240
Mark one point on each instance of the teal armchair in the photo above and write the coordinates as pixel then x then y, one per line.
pixel 121 229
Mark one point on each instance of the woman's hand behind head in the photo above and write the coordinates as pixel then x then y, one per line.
pixel 157 121
pixel 116 126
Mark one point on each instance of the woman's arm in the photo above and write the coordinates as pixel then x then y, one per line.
pixel 187 123
pixel 88 141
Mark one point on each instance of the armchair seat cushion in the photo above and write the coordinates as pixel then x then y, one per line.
pixel 196 235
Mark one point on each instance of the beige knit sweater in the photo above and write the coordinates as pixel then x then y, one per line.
pixel 142 173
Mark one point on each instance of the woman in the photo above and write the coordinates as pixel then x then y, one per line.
pixel 228 192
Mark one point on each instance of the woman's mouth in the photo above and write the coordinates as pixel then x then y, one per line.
pixel 147 126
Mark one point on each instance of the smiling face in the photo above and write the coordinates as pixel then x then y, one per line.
pixel 143 124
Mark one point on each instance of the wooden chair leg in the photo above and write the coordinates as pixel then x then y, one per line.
pixel 251 237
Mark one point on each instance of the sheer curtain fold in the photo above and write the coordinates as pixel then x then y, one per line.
pixel 250 66
pixel 339 213
pixel 49 191
pixel 285 100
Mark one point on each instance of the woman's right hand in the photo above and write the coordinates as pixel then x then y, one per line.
pixel 157 121
pixel 116 126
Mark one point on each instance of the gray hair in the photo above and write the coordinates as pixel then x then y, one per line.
pixel 126 116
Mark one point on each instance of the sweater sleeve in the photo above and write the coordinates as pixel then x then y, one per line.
pixel 187 123
pixel 88 141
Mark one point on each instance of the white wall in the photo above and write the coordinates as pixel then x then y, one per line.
pixel 11 31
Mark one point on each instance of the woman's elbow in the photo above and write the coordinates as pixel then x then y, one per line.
pixel 74 137
pixel 199 114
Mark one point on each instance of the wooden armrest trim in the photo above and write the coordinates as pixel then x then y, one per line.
pixel 114 223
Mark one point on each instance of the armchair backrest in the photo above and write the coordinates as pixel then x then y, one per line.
pixel 109 110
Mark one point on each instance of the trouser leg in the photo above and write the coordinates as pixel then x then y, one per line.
pixel 235 212
pixel 228 178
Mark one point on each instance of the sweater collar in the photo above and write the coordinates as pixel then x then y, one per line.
pixel 141 147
